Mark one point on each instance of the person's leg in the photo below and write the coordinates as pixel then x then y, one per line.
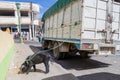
pixel 39 39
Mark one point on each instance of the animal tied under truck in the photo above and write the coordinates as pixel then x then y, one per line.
pixel 32 60
pixel 84 26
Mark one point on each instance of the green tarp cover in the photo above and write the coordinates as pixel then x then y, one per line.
pixel 56 7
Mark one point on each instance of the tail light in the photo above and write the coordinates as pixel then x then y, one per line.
pixel 87 46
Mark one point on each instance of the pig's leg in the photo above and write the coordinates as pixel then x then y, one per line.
pixel 47 66
pixel 34 67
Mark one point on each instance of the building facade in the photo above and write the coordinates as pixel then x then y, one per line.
pixel 9 17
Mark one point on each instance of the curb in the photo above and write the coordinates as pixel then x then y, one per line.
pixel 4 65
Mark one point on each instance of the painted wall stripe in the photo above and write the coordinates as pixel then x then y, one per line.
pixel 4 65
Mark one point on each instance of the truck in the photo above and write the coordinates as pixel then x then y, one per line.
pixel 84 26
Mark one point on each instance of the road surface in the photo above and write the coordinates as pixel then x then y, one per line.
pixel 73 68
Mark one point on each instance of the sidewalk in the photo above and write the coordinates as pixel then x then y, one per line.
pixel 20 53
pixel 22 50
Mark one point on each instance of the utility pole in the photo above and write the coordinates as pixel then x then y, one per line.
pixel 31 21
pixel 19 22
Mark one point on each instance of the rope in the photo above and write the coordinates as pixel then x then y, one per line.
pixel 31 57
pixel 76 23
pixel 50 48
pixel 53 47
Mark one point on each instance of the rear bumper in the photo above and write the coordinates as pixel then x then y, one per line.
pixel 100 47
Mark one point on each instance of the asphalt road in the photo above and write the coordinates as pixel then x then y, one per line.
pixel 73 68
pixel 95 68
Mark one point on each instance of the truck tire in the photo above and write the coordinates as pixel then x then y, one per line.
pixel 50 45
pixel 56 52
pixel 84 54
pixel 44 45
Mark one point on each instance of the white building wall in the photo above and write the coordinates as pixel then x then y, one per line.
pixel 10 21
pixel 4 5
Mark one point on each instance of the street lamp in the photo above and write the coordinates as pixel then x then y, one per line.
pixel 19 23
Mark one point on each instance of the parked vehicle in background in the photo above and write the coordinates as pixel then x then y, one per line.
pixel 87 26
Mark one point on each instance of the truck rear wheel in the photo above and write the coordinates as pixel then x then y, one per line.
pixel 84 54
pixel 44 44
pixel 50 45
pixel 56 52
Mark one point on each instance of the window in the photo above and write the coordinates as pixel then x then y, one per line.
pixel 7 13
pixel 14 29
pixel 117 1
pixel 24 13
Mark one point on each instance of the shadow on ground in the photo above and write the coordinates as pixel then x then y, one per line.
pixel 95 76
pixel 36 48
pixel 100 76
pixel 38 71
pixel 62 77
pixel 74 62
pixel 78 63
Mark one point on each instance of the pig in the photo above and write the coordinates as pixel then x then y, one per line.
pixel 34 59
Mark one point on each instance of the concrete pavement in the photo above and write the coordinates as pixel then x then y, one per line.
pixel 21 52
pixel 73 68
